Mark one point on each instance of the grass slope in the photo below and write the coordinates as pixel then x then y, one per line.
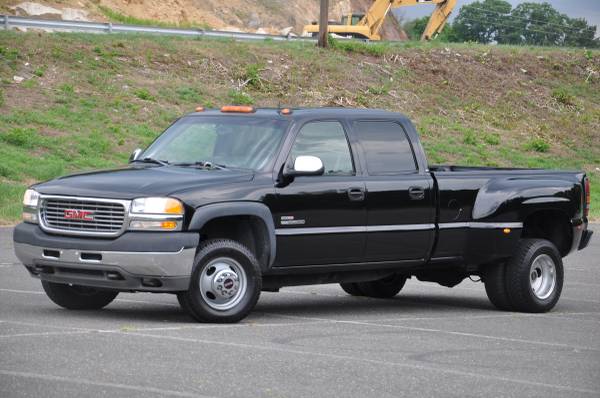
pixel 88 100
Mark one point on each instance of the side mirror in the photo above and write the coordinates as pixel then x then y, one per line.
pixel 135 155
pixel 305 166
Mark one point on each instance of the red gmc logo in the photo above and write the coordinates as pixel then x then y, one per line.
pixel 84 215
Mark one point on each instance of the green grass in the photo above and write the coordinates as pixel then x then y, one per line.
pixel 89 100
pixel 116 16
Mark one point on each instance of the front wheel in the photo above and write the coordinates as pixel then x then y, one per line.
pixel 75 297
pixel 225 284
pixel 534 276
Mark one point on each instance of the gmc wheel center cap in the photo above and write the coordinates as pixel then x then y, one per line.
pixel 226 283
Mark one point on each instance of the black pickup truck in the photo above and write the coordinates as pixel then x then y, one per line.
pixel 230 202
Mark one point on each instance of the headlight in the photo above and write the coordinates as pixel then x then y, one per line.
pixel 31 198
pixel 157 206
pixel 156 214
pixel 30 205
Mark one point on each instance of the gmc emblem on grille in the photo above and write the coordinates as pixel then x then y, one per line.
pixel 84 215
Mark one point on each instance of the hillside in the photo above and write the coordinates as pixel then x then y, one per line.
pixel 264 16
pixel 86 101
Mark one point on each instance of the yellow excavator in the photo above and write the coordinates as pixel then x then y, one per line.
pixel 367 26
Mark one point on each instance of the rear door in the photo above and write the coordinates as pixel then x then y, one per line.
pixel 321 219
pixel 400 197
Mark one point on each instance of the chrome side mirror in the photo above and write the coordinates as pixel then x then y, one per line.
pixel 135 154
pixel 305 166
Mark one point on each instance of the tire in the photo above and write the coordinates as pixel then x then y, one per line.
pixel 352 289
pixel 74 297
pixel 534 276
pixel 386 287
pixel 494 279
pixel 225 284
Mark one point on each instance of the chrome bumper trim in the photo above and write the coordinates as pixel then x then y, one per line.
pixel 161 264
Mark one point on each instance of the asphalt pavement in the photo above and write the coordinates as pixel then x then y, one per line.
pixel 309 341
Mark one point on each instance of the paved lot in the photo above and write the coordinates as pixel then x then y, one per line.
pixel 311 341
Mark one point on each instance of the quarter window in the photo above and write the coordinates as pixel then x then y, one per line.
pixel 327 141
pixel 387 148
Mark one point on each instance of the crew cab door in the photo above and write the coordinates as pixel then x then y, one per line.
pixel 321 219
pixel 400 197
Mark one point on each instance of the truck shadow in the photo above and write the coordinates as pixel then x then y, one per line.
pixel 167 314
pixel 403 304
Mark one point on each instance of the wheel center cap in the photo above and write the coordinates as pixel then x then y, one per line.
pixel 226 283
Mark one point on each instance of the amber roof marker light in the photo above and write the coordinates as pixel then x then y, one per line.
pixel 286 111
pixel 199 109
pixel 238 109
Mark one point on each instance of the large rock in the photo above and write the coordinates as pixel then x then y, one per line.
pixel 37 10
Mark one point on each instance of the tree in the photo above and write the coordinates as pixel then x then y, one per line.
pixel 415 28
pixel 481 21
pixel 540 24
pixel 579 34
pixel 534 23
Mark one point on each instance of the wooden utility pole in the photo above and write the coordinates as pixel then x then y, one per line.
pixel 323 20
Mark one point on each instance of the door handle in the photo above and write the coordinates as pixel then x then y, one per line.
pixel 356 194
pixel 416 193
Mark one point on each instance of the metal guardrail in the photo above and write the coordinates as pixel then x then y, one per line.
pixel 9 21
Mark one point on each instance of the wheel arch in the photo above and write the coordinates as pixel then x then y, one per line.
pixel 251 223
pixel 553 225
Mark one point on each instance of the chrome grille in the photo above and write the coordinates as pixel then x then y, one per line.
pixel 106 217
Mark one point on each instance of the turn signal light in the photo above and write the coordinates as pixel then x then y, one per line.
pixel 168 225
pixel 238 109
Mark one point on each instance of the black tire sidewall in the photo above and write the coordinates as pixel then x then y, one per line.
pixel 518 283
pixel 553 298
pixel 68 297
pixel 387 287
pixel 224 248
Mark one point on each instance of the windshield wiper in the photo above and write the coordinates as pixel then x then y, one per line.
pixel 203 165
pixel 150 160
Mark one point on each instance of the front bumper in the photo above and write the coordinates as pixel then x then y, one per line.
pixel 135 261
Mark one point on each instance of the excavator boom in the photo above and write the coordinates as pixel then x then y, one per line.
pixel 369 26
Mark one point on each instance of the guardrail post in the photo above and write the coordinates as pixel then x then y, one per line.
pixel 6 27
pixel 110 27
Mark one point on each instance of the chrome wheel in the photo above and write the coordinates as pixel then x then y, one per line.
pixel 542 276
pixel 223 283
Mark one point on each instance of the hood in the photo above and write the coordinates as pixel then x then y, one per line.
pixel 140 180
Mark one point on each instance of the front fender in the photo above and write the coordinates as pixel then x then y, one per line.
pixel 204 214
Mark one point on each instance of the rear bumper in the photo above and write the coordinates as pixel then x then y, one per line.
pixel 135 261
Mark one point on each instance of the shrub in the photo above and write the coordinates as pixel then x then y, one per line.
pixel 537 145
pixel 491 139
pixel 239 98
pixel 562 96
pixel 22 137
pixel 469 137
pixel 144 94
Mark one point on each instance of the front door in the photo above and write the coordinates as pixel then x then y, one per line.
pixel 321 219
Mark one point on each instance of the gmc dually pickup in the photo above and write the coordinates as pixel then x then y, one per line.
pixel 230 202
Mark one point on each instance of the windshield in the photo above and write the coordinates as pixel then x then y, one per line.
pixel 239 142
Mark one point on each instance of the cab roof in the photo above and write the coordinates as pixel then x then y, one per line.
pixel 303 113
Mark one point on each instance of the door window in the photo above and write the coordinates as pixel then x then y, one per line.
pixel 327 141
pixel 387 148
